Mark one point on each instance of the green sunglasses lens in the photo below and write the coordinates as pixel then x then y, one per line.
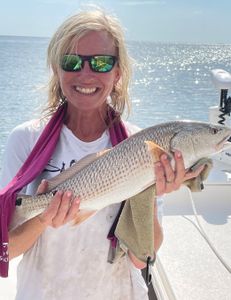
pixel 98 63
pixel 102 63
pixel 71 63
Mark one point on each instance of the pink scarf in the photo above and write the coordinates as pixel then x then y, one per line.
pixel 33 166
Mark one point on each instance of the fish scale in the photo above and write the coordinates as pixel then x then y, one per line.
pixel 128 168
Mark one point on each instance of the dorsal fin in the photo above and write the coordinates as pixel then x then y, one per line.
pixel 70 172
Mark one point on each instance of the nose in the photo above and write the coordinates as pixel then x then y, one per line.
pixel 86 68
pixel 85 75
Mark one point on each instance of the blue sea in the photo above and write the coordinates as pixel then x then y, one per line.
pixel 170 81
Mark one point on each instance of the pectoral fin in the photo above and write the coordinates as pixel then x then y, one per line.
pixel 155 150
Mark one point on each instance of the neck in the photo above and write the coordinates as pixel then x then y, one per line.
pixel 86 125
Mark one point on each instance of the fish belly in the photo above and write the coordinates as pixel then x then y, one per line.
pixel 120 190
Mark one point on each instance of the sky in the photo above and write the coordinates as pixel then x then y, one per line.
pixel 182 21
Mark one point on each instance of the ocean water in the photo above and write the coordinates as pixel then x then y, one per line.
pixel 170 81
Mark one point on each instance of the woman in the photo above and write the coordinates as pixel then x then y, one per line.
pixel 91 73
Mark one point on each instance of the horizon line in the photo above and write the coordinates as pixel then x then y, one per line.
pixel 145 40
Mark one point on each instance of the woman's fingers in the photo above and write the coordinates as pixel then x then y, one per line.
pixel 168 170
pixel 160 179
pixel 179 168
pixel 49 214
pixel 68 209
pixel 169 179
pixel 73 210
pixel 62 208
pixel 42 188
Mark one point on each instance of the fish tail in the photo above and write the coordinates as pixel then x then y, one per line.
pixel 21 198
pixel 18 216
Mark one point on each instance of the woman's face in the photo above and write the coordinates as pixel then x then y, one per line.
pixel 88 90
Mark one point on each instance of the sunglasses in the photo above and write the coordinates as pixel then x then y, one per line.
pixel 97 63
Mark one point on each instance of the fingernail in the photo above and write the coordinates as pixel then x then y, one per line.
pixel 164 156
pixel 158 165
pixel 69 194
pixel 178 154
pixel 77 201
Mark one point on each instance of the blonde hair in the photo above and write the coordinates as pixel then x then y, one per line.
pixel 63 40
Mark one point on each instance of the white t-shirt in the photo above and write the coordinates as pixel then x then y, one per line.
pixel 70 262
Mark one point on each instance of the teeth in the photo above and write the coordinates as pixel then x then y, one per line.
pixel 85 90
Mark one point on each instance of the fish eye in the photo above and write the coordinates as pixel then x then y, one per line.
pixel 215 130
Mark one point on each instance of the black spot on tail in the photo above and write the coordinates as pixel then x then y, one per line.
pixel 54 192
pixel 18 202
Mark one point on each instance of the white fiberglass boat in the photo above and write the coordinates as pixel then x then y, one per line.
pixel 194 262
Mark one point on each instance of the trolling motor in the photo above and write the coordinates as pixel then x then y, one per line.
pixel 221 114
pixel 222 81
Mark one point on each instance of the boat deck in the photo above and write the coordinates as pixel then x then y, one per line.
pixel 194 261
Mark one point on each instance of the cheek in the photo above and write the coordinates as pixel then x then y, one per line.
pixel 109 79
pixel 65 79
pixel 60 77
pixel 64 76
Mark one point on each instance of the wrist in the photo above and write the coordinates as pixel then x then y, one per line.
pixel 43 223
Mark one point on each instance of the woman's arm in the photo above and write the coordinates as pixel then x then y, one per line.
pixel 23 237
pixel 62 209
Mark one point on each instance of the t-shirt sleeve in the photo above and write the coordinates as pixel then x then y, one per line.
pixel 17 149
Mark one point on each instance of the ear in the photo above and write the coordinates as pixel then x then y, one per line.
pixel 117 75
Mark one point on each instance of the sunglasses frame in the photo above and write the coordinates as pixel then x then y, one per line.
pixel 89 59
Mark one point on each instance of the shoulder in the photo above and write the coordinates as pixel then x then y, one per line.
pixel 30 127
pixel 18 146
pixel 131 128
pixel 26 132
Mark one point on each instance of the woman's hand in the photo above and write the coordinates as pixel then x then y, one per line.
pixel 168 179
pixel 62 209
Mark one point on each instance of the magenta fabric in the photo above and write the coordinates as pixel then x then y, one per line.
pixel 117 130
pixel 33 166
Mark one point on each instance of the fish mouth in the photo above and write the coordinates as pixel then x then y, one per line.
pixel 227 145
pixel 224 144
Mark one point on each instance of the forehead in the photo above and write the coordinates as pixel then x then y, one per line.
pixel 95 42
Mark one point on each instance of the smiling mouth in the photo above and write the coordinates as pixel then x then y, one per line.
pixel 86 91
